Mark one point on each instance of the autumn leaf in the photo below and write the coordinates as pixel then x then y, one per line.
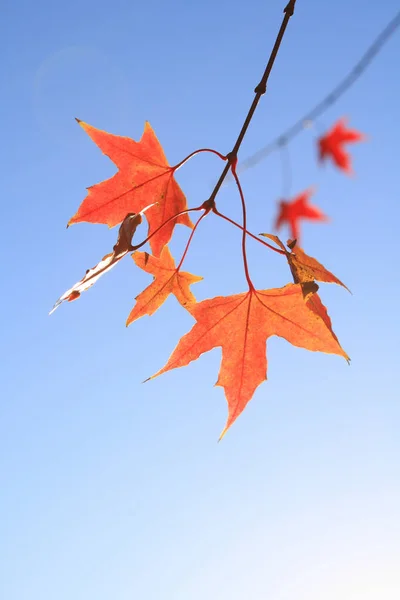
pixel 332 145
pixel 143 176
pixel 295 210
pixel 304 268
pixel 121 248
pixel 240 325
pixel 167 280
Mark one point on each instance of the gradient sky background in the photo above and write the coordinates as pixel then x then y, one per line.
pixel 111 489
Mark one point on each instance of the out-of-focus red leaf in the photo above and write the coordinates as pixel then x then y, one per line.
pixel 332 145
pixel 293 211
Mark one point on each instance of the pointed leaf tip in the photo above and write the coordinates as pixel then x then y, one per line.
pixel 222 435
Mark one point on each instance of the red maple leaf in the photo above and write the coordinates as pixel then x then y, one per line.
pixel 241 324
pixel 143 177
pixel 332 144
pixel 298 208
pixel 167 280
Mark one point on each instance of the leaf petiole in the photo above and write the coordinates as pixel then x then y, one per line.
pixel 189 156
pixel 219 214
pixel 206 211
pixel 182 212
pixel 245 263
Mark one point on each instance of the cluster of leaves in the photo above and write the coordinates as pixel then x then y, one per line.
pixel 145 186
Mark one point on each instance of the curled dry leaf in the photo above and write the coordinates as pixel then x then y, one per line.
pixel 240 325
pixel 143 176
pixel 167 280
pixel 121 248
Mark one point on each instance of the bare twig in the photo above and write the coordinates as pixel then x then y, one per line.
pixel 333 96
pixel 259 91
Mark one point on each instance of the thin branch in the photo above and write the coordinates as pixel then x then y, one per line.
pixel 286 171
pixel 333 96
pixel 259 91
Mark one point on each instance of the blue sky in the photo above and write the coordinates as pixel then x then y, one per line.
pixel 114 489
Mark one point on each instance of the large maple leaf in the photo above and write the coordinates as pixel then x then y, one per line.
pixel 241 324
pixel 143 177
pixel 167 280
pixel 332 145
pixel 295 210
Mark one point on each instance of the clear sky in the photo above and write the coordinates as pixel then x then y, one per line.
pixel 114 490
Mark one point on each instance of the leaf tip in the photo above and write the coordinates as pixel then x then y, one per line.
pixel 71 221
pixel 57 304
pixel 222 434
pixel 147 128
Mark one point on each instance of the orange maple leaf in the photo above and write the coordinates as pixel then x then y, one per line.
pixel 298 208
pixel 332 144
pixel 241 324
pixel 167 280
pixel 143 176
